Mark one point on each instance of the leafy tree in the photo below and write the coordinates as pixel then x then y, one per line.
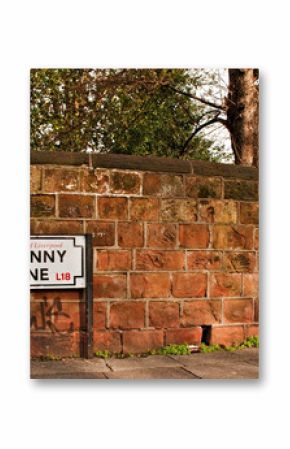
pixel 147 112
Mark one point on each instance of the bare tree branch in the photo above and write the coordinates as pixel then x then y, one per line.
pixel 215 119
pixel 194 97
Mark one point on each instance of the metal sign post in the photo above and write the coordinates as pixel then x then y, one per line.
pixel 66 262
pixel 88 349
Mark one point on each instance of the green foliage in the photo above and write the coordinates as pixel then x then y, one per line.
pixel 250 342
pixel 103 354
pixel 209 348
pixel 120 111
pixel 172 350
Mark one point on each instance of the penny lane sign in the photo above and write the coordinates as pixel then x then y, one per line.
pixel 57 262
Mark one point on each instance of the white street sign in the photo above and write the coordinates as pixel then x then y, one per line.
pixel 57 262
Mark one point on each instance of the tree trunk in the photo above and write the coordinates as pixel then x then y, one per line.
pixel 243 115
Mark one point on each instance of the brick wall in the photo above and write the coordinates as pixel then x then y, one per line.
pixel 175 250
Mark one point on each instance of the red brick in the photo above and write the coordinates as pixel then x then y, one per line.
pixel 107 341
pixel 240 262
pixel 202 187
pixel 127 315
pixel 218 211
pixel 99 315
pixel 42 206
pixel 163 314
pixel 252 330
pixel 142 341
pixel 144 209
pixel 201 313
pixel 114 260
pixel 130 234
pixel 238 311
pixel 110 286
pixel 35 178
pixel 249 213
pixel 256 310
pixel 64 344
pixel 56 315
pixel 125 182
pixel 256 238
pixel 193 236
pixel 163 185
pixel 189 285
pixel 241 190
pixel 159 260
pixel 178 210
pixel 56 227
pixel 191 336
pixel 103 233
pixel 233 237
pixel 161 235
pixel 61 180
pixel 251 284
pixel 223 284
pixel 204 260
pixel 150 285
pixel 76 206
pixel 66 295
pixel 227 335
pixel 96 181
pixel 113 208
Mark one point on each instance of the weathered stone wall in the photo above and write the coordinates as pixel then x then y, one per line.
pixel 175 251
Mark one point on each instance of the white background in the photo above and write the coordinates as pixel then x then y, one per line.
pixel 144 34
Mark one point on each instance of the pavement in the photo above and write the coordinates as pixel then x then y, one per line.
pixel 241 364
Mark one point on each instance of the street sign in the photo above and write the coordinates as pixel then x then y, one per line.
pixel 57 262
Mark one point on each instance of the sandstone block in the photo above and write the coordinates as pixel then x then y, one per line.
pixel 127 315
pixel 233 237
pixel 217 211
pixel 249 213
pixel 204 260
pixel 76 206
pixel 225 285
pixel 114 260
pixel 103 233
pixel 150 285
pixel 110 286
pixel 191 336
pixel 144 209
pixel 201 313
pixel 189 285
pixel 130 234
pixel 194 236
pixel 227 335
pixel 107 341
pixel 163 185
pixel 241 190
pixel 96 181
pixel 42 206
pixel 125 182
pixel 163 314
pixel 238 311
pixel 161 235
pixel 159 260
pixel 203 187
pixel 113 208
pixel 61 180
pixel 142 341
pixel 178 210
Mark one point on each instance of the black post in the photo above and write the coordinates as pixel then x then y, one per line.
pixel 89 298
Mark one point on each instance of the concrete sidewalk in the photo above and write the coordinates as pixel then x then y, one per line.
pixel 242 364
